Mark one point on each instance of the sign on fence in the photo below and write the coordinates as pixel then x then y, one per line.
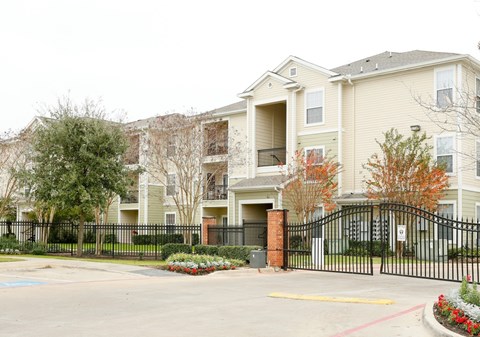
pixel 401 233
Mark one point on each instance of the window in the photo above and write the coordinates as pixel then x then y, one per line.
pixel 444 152
pixel 444 87
pixel 171 148
pixel 477 97
pixel 477 161
pixel 171 184
pixel 445 230
pixel 315 154
pixel 318 213
pixel 314 107
pixel 293 71
pixel 170 219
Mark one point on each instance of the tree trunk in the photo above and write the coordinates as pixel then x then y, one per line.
pixel 81 226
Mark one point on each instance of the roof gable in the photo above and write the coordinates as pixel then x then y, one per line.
pixel 294 59
pixel 285 81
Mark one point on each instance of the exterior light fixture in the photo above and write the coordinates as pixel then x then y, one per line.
pixel 415 128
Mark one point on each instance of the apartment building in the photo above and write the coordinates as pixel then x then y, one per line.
pixel 302 106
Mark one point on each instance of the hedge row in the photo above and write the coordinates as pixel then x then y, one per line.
pixel 229 252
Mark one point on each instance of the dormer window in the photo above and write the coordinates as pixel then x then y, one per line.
pixel 293 71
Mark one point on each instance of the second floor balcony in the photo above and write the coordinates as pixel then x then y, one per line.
pixel 216 192
pixel 272 157
pixel 130 198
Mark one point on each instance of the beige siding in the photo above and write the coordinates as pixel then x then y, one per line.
pixel 238 135
pixel 329 140
pixel 264 92
pixel 155 197
pixel 372 107
pixel 470 201
pixel 253 196
pixel 113 212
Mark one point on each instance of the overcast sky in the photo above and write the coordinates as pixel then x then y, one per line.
pixel 152 57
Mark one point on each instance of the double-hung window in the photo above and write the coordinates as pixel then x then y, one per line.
pixel 444 87
pixel 445 229
pixel 314 107
pixel 315 155
pixel 445 152
pixel 170 219
pixel 171 184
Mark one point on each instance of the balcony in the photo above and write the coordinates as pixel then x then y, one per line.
pixel 272 157
pixel 216 149
pixel 216 192
pixel 130 198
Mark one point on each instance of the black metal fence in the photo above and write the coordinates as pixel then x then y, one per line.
pixel 338 242
pixel 250 233
pixel 403 240
pixel 112 240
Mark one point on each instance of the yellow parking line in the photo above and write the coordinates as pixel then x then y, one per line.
pixel 382 301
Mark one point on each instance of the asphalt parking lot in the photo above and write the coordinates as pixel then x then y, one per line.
pixel 45 297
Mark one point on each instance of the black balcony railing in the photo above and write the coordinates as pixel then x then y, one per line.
pixel 272 157
pixel 216 192
pixel 216 149
pixel 130 198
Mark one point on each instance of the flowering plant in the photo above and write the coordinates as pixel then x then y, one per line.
pixel 457 310
pixel 199 264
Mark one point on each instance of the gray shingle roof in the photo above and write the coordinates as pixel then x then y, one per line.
pixel 389 60
pixel 259 182
pixel 241 105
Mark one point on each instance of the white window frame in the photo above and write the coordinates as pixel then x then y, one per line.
pixel 436 88
pixel 313 90
pixel 293 69
pixel 454 216
pixel 169 230
pixel 477 158
pixel 167 185
pixel 454 147
pixel 310 148
pixel 477 213
pixel 477 94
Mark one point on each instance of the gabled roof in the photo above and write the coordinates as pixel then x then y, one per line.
pixel 391 60
pixel 276 76
pixel 307 64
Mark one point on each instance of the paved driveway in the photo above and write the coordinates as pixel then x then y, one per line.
pixel 42 297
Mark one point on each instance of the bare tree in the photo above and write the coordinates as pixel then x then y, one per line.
pixel 185 155
pixel 14 156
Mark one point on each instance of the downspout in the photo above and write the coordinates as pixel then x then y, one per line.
pixel 459 148
pixel 280 198
pixel 340 137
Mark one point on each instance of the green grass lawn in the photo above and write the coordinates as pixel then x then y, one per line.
pixel 133 262
pixel 9 259
pixel 119 247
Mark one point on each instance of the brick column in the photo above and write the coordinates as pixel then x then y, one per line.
pixel 207 221
pixel 276 219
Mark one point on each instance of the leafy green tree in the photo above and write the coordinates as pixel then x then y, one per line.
pixel 78 160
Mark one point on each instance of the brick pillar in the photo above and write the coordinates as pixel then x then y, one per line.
pixel 276 219
pixel 207 221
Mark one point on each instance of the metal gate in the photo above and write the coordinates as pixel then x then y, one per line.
pixel 402 240
pixel 338 242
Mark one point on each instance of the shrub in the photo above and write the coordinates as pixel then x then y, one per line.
pixel 237 252
pixel 159 239
pixel 363 248
pixel 110 238
pixel 199 264
pixel 89 237
pixel 9 245
pixel 295 242
pixel 206 250
pixel 172 248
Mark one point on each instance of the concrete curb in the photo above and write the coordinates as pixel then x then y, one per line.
pixel 432 324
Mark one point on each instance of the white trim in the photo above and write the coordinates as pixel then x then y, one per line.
pixel 307 64
pixel 228 113
pixel 306 92
pixel 464 57
pixel 435 88
pixel 477 157
pixel 253 202
pixel 290 71
pixel 317 132
pixel 315 147
pixel 340 136
pixel 454 159
pixel 267 74
pixel 477 214
pixel 276 99
pixel 170 213
pixel 459 88
pixel 271 169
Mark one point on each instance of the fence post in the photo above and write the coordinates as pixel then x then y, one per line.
pixel 206 222
pixel 277 220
